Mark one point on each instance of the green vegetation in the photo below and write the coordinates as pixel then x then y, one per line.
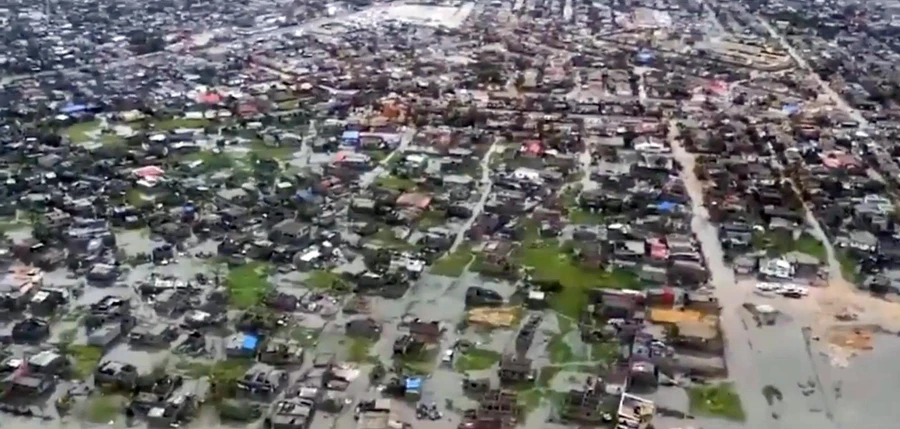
pixel 548 373
pixel 605 352
pixel 265 151
pixel 476 360
pixel 224 369
pixel 431 219
pixel 777 244
pixel 388 239
pixel 84 359
pixel 718 400
pixel 104 408
pixel 549 262
pixel 222 375
pixel 178 123
pixel 81 132
pixel 12 224
pixel 248 285
pixel 212 161
pixel 306 337
pixel 581 216
pixel 560 351
pixel 394 182
pixel 359 350
pixel 421 362
pixel 453 264
pixel 326 280
pixel 530 399
pixel 849 266
pixel 136 198
pixel 288 105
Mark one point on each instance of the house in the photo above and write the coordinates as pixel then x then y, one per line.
pixel 114 373
pixel 290 232
pixel 262 382
pixel 20 283
pixel 46 301
pixel 48 362
pixel 280 352
pixel 175 411
pixel 526 335
pixel 154 391
pixel 426 332
pixel 30 330
pixel 481 297
pixel 378 414
pixel 105 335
pixel 363 328
pixel 407 345
pixel 804 266
pixel 698 335
pixel 292 414
pixel 635 412
pixel 584 406
pixel 515 369
pixel 241 345
pixel 158 335
pixel 24 384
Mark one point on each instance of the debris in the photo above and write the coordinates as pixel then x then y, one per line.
pixel 501 317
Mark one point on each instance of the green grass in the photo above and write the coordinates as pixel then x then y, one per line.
pixel 378 155
pixel 581 216
pixel 605 352
pixel 849 266
pixel 550 263
pixel 222 375
pixel 777 244
pixel 248 285
pixel 388 239
pixel 431 219
pixel 359 350
pixel 84 359
pixel 560 352
pixel 176 123
pixel 104 408
pixel 452 264
pixel 288 105
pixel 476 360
pixel 265 151
pixel 212 161
pixel 419 363
pixel 231 369
pixel 718 400
pixel 530 399
pixel 12 224
pixel 326 280
pixel 306 337
pixel 79 133
pixel 136 198
pixel 548 373
pixel 394 182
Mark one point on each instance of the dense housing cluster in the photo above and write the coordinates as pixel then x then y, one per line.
pixel 481 215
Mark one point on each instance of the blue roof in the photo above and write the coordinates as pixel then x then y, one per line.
pixel 350 135
pixel 790 109
pixel 250 342
pixel 73 108
pixel 413 383
pixel 666 206
pixel 305 195
pixel 644 55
